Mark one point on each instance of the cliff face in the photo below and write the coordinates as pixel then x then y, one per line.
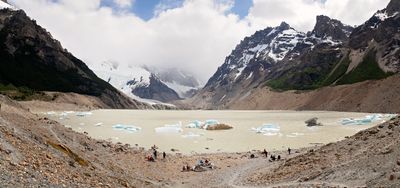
pixel 31 58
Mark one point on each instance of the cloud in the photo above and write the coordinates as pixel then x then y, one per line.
pixel 124 3
pixel 300 14
pixel 194 35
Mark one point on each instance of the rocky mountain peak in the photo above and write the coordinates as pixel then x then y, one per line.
pixel 327 27
pixel 283 26
pixel 393 7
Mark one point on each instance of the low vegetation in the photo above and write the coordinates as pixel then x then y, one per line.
pixel 23 93
pixel 368 69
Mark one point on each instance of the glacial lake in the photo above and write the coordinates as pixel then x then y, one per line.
pixel 283 129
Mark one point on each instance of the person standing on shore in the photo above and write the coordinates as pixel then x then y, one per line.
pixel 155 153
pixel 265 152
pixel 289 150
pixel 164 155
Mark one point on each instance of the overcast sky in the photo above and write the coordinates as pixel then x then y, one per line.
pixel 194 35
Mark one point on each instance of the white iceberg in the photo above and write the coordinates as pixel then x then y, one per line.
pixel 191 135
pixel 98 124
pixel 195 124
pixel 293 135
pixel 367 119
pixel 168 130
pixel 268 129
pixel 177 128
pixel 202 125
pixel 127 128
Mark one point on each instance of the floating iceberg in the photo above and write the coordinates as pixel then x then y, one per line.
pixel 98 124
pixel 364 121
pixel 177 128
pixel 83 114
pixel 191 135
pixel 271 134
pixel 202 125
pixel 293 135
pixel 210 123
pixel 127 128
pixel 195 124
pixel 168 130
pixel 268 129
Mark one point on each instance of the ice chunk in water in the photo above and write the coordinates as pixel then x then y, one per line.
pixel 98 124
pixel 178 125
pixel 169 129
pixel 83 114
pixel 191 135
pixel 174 128
pixel 267 128
pixel 195 124
pixel 363 121
pixel 202 125
pixel 210 123
pixel 127 128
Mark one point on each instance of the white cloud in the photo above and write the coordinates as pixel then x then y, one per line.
pixel 300 14
pixel 195 36
pixel 124 3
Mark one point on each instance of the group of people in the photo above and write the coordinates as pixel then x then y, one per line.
pixel 274 157
pixel 201 165
pixel 153 156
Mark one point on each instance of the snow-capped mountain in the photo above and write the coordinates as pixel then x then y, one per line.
pixel 270 48
pixel 136 82
pixel 282 58
pixel 183 82
pixel 279 57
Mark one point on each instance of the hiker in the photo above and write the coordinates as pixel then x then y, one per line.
pixel 164 155
pixel 289 150
pixel 279 157
pixel 265 153
pixel 155 153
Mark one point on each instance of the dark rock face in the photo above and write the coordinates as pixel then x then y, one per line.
pixel 327 27
pixel 156 90
pixel 393 6
pixel 381 34
pixel 31 58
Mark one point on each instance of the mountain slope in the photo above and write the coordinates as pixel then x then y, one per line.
pixel 283 59
pixel 31 58
pixel 279 57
